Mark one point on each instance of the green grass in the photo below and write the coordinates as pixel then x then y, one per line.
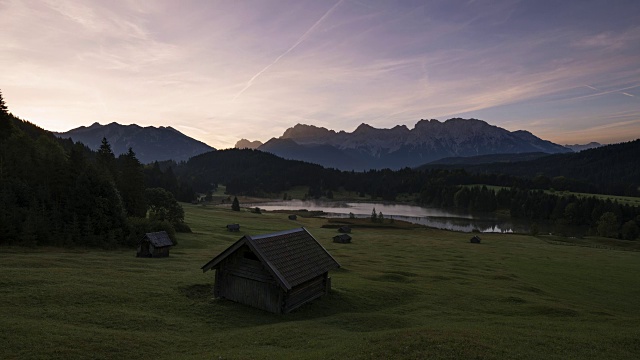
pixel 405 293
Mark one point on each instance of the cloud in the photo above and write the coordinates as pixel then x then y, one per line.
pixel 252 69
pixel 295 45
pixel 609 40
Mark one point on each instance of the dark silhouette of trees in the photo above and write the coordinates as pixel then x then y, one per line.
pixel 163 206
pixel 56 192
pixel 235 205
pixel 106 160
pixel 131 184
pixel 3 106
pixel 50 195
pixel 630 230
pixel 608 225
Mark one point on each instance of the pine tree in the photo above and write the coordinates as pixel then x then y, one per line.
pixel 131 184
pixel 105 158
pixel 3 107
pixel 235 206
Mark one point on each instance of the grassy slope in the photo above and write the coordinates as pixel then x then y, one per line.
pixel 401 293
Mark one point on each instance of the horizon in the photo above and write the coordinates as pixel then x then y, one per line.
pixel 334 130
pixel 223 71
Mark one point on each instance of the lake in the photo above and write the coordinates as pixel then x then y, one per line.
pixel 433 217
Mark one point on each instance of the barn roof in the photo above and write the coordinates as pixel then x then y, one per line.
pixel 159 239
pixel 292 256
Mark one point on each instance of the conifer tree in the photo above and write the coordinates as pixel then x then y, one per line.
pixel 235 206
pixel 105 158
pixel 3 107
pixel 131 184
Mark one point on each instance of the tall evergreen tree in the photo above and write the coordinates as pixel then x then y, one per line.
pixel 3 105
pixel 131 184
pixel 105 159
pixel 235 206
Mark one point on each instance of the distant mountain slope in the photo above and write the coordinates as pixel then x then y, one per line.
pixel 149 143
pixel 580 147
pixel 246 144
pixel 486 159
pixel 614 168
pixel 370 148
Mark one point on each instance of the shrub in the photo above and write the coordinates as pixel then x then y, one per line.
pixel 137 227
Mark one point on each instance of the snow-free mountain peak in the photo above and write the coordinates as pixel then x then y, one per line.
pixel 149 143
pixel 368 147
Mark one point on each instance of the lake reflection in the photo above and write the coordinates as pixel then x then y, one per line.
pixel 437 218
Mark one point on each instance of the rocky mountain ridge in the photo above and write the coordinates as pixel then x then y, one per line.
pixel 429 140
pixel 149 143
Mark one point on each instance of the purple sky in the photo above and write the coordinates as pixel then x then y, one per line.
pixel 568 71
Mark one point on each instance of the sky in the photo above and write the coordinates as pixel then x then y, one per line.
pixel 218 71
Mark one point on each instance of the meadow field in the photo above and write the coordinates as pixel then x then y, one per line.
pixel 401 293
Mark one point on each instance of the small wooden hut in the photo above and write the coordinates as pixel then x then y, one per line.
pixel 155 244
pixel 344 229
pixel 475 239
pixel 293 217
pixel 276 272
pixel 233 227
pixel 342 238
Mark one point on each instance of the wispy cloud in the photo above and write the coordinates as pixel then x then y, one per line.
pixel 252 68
pixel 295 45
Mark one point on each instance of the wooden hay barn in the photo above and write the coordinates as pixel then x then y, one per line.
pixel 475 240
pixel 342 238
pixel 155 244
pixel 276 272
pixel 344 229
pixel 233 227
pixel 293 217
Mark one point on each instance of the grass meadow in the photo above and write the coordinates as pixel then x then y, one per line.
pixel 401 293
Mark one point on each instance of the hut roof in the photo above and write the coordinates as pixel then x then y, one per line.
pixel 344 229
pixel 342 237
pixel 159 239
pixel 292 256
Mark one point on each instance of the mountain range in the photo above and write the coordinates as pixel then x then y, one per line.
pixel 149 143
pixel 371 148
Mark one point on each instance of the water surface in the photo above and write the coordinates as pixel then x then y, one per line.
pixel 433 217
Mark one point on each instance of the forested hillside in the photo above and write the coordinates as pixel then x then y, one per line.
pixel 55 192
pixel 612 169
pixel 250 172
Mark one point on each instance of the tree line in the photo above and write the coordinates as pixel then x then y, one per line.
pixel 255 173
pixel 568 214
